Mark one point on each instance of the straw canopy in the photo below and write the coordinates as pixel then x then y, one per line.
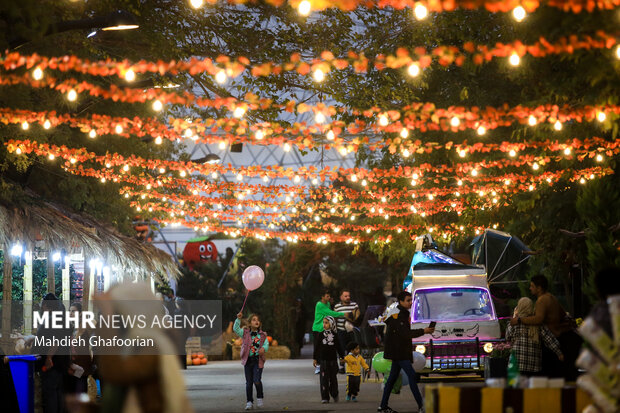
pixel 30 220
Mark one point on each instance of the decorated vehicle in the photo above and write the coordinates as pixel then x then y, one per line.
pixel 455 296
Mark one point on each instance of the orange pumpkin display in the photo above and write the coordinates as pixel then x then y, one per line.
pixel 269 339
pixel 203 361
pixel 274 343
pixel 196 362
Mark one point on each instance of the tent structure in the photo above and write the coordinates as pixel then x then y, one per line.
pixel 503 255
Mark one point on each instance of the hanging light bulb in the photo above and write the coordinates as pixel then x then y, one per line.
pixel 318 75
pixel 474 172
pixel 404 133
pixel 130 75
pixel 599 158
pixel 222 145
pixel 330 135
pixel 455 121
pixel 600 116
pixel 531 120
pixel 413 70
pixel 460 183
pixel 519 13
pixel 512 153
pixel 92 134
pixel 406 153
pixel 535 166
pixel 37 74
pixel 18 151
pixel 47 124
pixel 259 135
pixel 567 151
pixel 72 95
pixel 157 106
pixel 214 175
pixel 383 120
pixel 364 182
pixel 462 153
pixel 481 130
pixel 238 112
pixel 618 52
pixel 51 157
pixel 286 147
pixel 162 170
pixel 304 8
pixel 25 125
pixel 265 179
pixel 158 140
pixel 239 177
pixel 420 11
pixel 315 181
pixel 183 174
pixel 319 117
pixel 220 76
pixel 126 168
pixel 514 59
pixel 118 129
pixel 196 3
pixel 557 125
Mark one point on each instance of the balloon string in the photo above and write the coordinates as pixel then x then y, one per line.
pixel 246 299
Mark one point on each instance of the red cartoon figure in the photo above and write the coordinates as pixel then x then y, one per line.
pixel 199 250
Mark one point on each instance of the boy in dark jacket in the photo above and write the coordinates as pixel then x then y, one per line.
pixel 399 349
pixel 326 352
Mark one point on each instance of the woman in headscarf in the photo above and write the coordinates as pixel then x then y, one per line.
pixel 526 340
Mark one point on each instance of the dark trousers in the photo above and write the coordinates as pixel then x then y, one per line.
pixel 344 338
pixel 353 385
pixel 253 376
pixel 570 344
pixel 52 391
pixel 407 367
pixel 329 380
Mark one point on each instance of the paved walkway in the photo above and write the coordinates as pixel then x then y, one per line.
pixel 290 385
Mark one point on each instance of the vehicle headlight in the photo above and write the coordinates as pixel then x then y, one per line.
pixel 488 347
pixel 420 349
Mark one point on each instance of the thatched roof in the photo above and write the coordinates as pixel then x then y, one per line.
pixel 61 228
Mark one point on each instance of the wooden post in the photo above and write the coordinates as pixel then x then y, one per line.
pixel 7 296
pixel 27 304
pixel 66 281
pixel 51 279
pixel 86 283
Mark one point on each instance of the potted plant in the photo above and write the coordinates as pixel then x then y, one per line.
pixel 496 364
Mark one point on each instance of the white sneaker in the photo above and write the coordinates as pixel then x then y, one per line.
pixel 259 403
pixel 317 370
pixel 248 406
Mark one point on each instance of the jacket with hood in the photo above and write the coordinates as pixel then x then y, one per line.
pixel 327 345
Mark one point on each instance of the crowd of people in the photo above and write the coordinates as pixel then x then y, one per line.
pixel 542 335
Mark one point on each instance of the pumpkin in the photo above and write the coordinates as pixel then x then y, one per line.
pixel 203 361
pixel 196 362
pixel 200 355
pixel 269 339
pixel 274 343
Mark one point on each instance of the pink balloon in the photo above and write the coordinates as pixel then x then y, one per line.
pixel 253 277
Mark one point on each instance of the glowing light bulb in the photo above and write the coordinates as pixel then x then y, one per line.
pixel 286 147
pixel 319 117
pixel 318 75
pixel 118 129
pixel 296 179
pixel 462 153
pixel 37 74
pixel 92 134
pixel 364 182
pixel 383 120
pixel 265 179
pixel 158 140
pixel 404 133
pixel 535 167
pixel 420 12
pixel 582 181
pixel 512 153
pixel 239 177
pixel 239 112
pixel 304 8
pixel 220 77
pixel 406 153
pixel 618 52
pixel 343 151
pixel 474 172
pixel 130 75
pixel 222 145
pixel 162 170
pixel 567 151
pixel 196 3
pixel 413 70
pixel 599 158
pixel 47 124
pixel 183 174
pixel 259 135
pixel 315 181
pixel 455 121
pixel 330 135
pixel 460 183
pixel 72 95
pixel 188 133
pixel 18 151
pixel 557 125
pixel 531 120
pixel 514 59
pixel 157 106
pixel 51 157
pixel 25 125
pixel 73 160
pixel 126 168
pixel 519 13
pixel 600 116
pixel 214 175
pixel 481 130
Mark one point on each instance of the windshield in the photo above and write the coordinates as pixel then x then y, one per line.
pixel 452 304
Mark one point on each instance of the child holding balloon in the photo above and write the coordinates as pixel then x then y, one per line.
pixel 254 344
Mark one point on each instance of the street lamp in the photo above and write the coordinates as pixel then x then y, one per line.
pixel 117 20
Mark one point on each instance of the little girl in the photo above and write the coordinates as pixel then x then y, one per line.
pixel 326 351
pixel 253 347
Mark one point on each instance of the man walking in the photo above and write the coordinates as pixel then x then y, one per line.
pixel 344 325
pixel 549 312
pixel 399 349
pixel 322 310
